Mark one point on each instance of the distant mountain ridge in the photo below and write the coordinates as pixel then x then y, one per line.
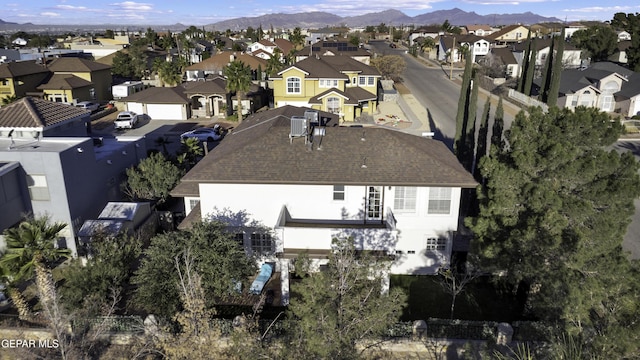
pixel 319 19
pixel 316 19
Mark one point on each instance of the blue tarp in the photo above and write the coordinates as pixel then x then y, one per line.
pixel 265 274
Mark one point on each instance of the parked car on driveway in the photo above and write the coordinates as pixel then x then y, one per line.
pixel 88 105
pixel 126 120
pixel 204 134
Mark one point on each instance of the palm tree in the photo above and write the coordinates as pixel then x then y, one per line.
pixel 30 244
pixel 9 99
pixel 238 80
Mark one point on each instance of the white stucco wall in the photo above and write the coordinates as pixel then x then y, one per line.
pixel 263 203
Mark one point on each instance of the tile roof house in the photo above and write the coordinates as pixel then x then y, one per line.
pixel 31 118
pixel 334 47
pixel 337 84
pixel 208 98
pixel 21 78
pixel 215 64
pixel 49 166
pixel 392 192
pixel 479 30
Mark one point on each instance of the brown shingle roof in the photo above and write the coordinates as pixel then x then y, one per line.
pixel 215 86
pixel 33 112
pixel 284 45
pixel 20 68
pixel 64 82
pixel 219 61
pixel 259 152
pixel 316 68
pixel 159 95
pixel 73 64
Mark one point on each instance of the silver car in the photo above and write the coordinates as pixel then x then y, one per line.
pixel 204 134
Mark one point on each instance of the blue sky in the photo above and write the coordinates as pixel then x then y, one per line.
pixel 202 12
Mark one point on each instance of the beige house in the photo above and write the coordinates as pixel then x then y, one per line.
pixel 508 35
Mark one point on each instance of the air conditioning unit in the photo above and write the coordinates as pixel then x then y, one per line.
pixel 298 126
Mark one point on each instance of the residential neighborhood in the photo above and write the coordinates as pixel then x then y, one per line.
pixel 449 190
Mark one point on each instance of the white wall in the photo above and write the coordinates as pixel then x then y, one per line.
pixel 264 203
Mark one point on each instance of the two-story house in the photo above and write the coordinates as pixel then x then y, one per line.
pixel 589 87
pixel 479 30
pixel 508 35
pixel 450 47
pixel 334 47
pixel 20 78
pixel 571 55
pixel 215 64
pixel 424 31
pixel 75 79
pixel 337 84
pixel 50 166
pixel 307 181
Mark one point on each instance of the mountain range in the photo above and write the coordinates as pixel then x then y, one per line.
pixel 319 19
pixel 316 19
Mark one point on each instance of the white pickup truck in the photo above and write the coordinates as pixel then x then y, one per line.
pixel 126 120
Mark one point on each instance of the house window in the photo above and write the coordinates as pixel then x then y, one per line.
pixel 333 105
pixel 374 202
pixel 4 82
pixel 293 85
pixel 354 81
pixel 261 243
pixel 433 243
pixel 585 99
pixel 239 238
pixel 38 189
pixel 362 80
pixel 92 93
pixel 411 252
pixel 405 199
pixel 338 192
pixel 327 83
pixel 574 101
pixel 371 81
pixel 193 203
pixel 439 200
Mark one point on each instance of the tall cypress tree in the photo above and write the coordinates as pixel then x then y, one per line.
pixel 469 145
pixel 462 106
pixel 525 64
pixel 547 72
pixel 554 87
pixel 483 138
pixel 531 70
pixel 498 128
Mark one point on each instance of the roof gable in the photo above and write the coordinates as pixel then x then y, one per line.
pixel 74 64
pixel 159 95
pixel 20 68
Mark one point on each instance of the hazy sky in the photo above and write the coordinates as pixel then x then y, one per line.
pixel 202 12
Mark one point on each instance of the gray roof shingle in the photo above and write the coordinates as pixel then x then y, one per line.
pixel 259 151
pixel 30 112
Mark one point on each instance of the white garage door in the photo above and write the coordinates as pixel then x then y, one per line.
pixel 135 107
pixel 165 112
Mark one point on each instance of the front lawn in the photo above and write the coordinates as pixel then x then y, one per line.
pixel 481 300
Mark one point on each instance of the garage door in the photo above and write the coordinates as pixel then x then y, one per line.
pixel 165 112
pixel 135 107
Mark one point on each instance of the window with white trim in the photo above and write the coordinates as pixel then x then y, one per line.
pixel 405 198
pixel 371 81
pixel 293 85
pixel 439 200
pixel 261 243
pixel 362 80
pixel 338 192
pixel 333 105
pixel 436 244
pixel 328 83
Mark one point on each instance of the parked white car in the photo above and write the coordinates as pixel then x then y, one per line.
pixel 126 120
pixel 205 134
pixel 88 105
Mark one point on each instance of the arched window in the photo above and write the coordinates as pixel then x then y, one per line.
pixel 293 85
pixel 609 88
pixel 333 105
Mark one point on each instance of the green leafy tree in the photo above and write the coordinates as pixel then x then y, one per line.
pixel 9 99
pixel 547 72
pixel 483 139
pixel 463 101
pixel 238 81
pixel 382 28
pixel 219 258
pixel 138 59
pixel 251 33
pixel 554 210
pixel 354 40
pixel 337 308
pixel 297 38
pixel 469 145
pixel 554 86
pixel 390 66
pixel 109 34
pixel 169 72
pixel 599 41
pixel 630 23
pixel 107 271
pixel 531 69
pixel 122 65
pixel 152 179
pixel 190 151
pixel 497 142
pixel 526 62
pixel 151 37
